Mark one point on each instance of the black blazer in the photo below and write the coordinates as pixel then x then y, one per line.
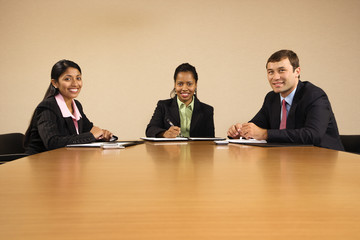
pixel 202 120
pixel 50 130
pixel 310 119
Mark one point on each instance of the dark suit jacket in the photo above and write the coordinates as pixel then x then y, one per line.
pixel 202 120
pixel 49 130
pixel 310 119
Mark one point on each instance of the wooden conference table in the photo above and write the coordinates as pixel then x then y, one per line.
pixel 194 190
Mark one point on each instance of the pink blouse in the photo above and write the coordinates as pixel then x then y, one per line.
pixel 66 112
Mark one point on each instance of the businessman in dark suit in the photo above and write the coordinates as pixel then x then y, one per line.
pixel 294 112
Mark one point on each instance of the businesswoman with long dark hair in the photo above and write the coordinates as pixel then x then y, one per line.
pixel 59 119
pixel 183 114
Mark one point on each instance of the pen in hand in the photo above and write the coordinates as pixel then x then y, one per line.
pixel 172 125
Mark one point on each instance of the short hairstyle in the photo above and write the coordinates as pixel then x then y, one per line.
pixel 186 67
pixel 282 54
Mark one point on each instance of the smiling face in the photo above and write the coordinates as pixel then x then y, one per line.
pixel 69 83
pixel 185 86
pixel 282 77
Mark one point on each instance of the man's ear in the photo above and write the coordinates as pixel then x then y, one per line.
pixel 297 72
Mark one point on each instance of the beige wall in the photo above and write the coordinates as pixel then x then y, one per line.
pixel 128 51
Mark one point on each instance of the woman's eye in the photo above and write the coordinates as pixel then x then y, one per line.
pixel 79 78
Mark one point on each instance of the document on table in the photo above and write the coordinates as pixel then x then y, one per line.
pixel 106 144
pixel 206 138
pixel 263 143
pixel 246 141
pixel 164 139
pixel 182 139
pixel 93 144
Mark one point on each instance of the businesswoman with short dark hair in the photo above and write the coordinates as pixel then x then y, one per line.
pixel 183 114
pixel 59 119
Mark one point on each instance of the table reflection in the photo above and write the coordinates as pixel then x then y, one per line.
pixel 285 167
pixel 183 167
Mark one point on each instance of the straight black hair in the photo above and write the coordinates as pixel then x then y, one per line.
pixel 59 68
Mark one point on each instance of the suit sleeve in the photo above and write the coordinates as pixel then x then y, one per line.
pixel 262 118
pixel 156 124
pixel 317 117
pixel 52 136
pixel 210 124
pixel 87 125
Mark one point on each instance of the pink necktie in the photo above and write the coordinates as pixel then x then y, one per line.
pixel 283 118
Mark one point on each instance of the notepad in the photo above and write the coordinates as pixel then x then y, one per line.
pixel 206 138
pixel 106 145
pixel 263 143
pixel 183 139
pixel 246 141
pixel 164 139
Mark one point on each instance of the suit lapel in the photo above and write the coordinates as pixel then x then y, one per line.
pixel 275 112
pixel 70 125
pixel 174 112
pixel 80 122
pixel 68 121
pixel 80 125
pixel 290 121
pixel 196 115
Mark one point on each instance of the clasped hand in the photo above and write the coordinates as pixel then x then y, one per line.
pixel 248 131
pixel 101 134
